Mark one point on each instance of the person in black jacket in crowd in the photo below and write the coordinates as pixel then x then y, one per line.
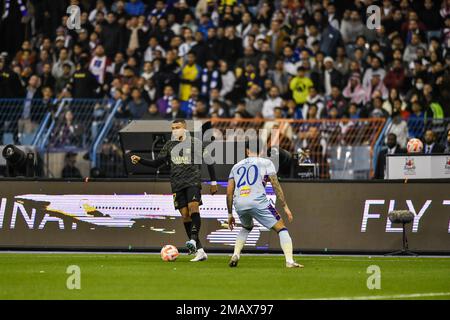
pixel 70 170
pixel 83 83
pixel 10 86
pixel 111 36
pixel 431 146
pixel 328 77
pixel 392 148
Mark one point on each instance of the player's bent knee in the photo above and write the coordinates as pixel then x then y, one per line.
pixel 279 226
pixel 248 228
pixel 185 214
pixel 193 207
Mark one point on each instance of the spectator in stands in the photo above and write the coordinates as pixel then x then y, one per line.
pixel 137 106
pixel 300 86
pixel 190 74
pixel 447 148
pixel 227 78
pixel 58 67
pixel 411 50
pixel 375 69
pixel 209 78
pixel 10 86
pixel 353 112
pixel 325 79
pixel 83 84
pixel 377 109
pixel 334 100
pixel 430 145
pixel 164 103
pixel 274 101
pixel 354 90
pixel 200 111
pixel 314 98
pixel 351 26
pixel 375 88
pixel 70 170
pixel 63 80
pixel 48 105
pixel 293 111
pixel 99 64
pixel 433 108
pixel 152 113
pixel 111 36
pixel 280 77
pixel 232 48
pixel 33 92
pixel 253 101
pixel 396 76
pixel 47 79
pixel 68 133
pixel 134 7
pixel 399 127
pixel 150 41
pixel 392 148
pixel 175 111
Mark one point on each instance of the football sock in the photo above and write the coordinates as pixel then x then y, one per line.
pixel 187 227
pixel 240 241
pixel 195 229
pixel 286 244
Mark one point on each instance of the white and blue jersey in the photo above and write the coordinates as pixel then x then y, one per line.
pixel 250 200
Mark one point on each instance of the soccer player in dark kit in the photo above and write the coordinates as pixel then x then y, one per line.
pixel 185 155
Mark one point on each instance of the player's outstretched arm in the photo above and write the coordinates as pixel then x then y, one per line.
pixel 162 157
pixel 213 179
pixel 280 196
pixel 210 166
pixel 151 163
pixel 146 162
pixel 230 192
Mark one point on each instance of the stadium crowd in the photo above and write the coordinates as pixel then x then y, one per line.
pixel 294 59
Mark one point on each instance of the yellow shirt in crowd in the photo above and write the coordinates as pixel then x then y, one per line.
pixel 300 88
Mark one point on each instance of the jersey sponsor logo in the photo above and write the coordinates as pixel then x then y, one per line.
pixel 245 191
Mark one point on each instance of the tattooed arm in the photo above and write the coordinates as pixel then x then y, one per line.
pixel 280 195
pixel 230 192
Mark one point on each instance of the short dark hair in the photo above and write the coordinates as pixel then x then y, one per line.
pixel 179 120
pixel 252 143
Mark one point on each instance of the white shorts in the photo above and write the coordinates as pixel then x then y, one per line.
pixel 268 217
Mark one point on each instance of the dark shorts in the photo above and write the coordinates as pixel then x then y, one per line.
pixel 184 196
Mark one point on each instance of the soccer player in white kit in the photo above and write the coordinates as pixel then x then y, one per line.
pixel 246 189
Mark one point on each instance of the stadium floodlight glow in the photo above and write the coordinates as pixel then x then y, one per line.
pixel 18 163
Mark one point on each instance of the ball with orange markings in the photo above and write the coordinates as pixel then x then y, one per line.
pixel 169 253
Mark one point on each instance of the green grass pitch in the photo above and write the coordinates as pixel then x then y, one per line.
pixel 145 276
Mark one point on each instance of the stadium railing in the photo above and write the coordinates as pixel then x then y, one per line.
pixel 75 125
pixel 342 148
pixel 106 152
pixel 22 121
pixel 379 144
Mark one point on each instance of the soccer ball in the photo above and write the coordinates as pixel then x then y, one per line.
pixel 414 146
pixel 169 253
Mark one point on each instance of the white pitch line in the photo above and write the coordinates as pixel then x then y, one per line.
pixel 395 296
